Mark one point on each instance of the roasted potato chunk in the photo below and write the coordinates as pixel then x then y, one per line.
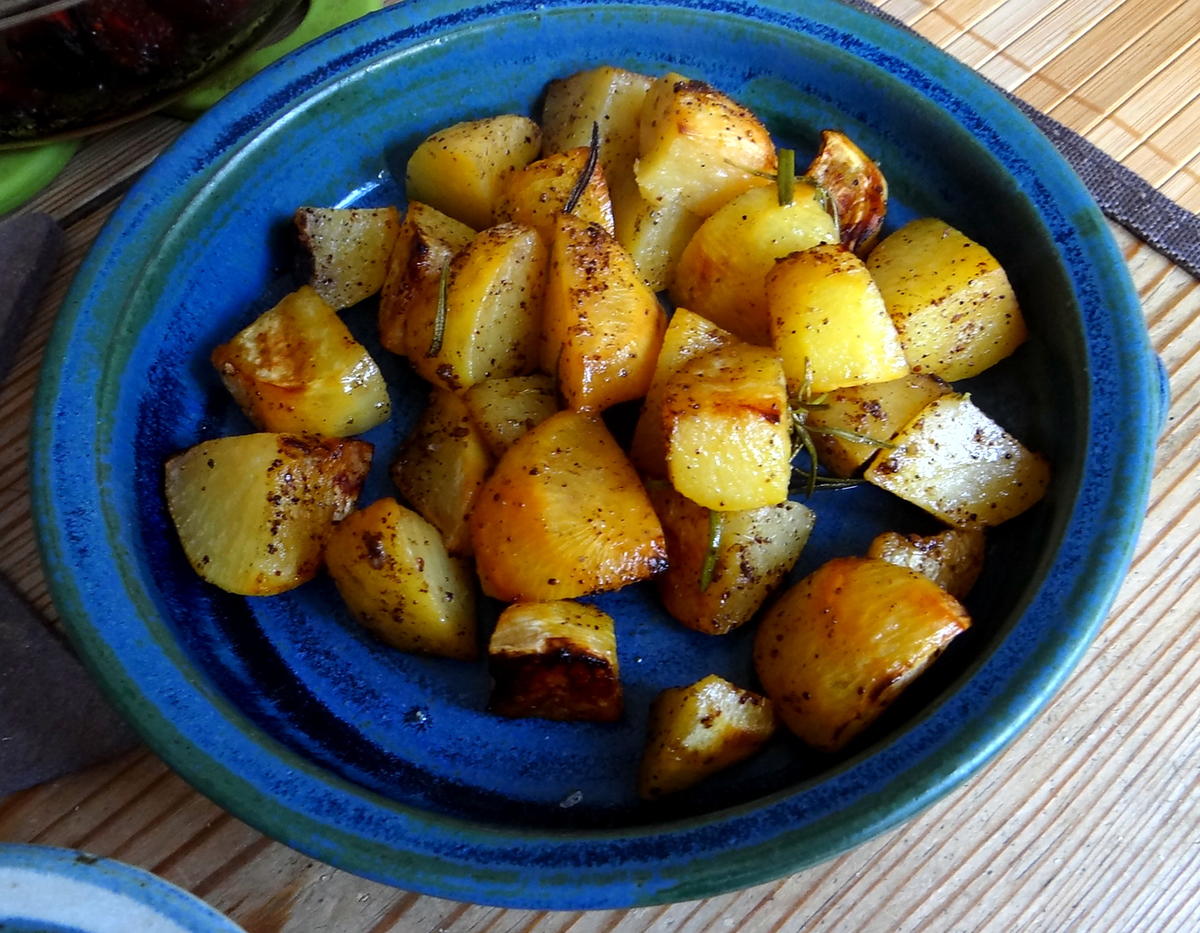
pixel 563 515
pixel 724 565
pixel 851 424
pixel 856 187
pixel 348 249
pixel 609 97
pixel 555 660
pixel 728 435
pixel 955 462
pixel 253 511
pixel 723 271
pixel 952 558
pixel 441 468
pixel 654 234
pixel 687 336
pixel 697 147
pixel 698 730
pixel 396 577
pixel 829 323
pixel 838 647
pixel 535 194
pixel 492 315
pixel 602 326
pixel 458 169
pixel 298 369
pixel 504 409
pixel 428 240
pixel 950 299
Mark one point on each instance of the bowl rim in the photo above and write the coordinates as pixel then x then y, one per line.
pixel 296 802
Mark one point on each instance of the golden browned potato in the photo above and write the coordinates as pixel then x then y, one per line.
pixel 563 515
pixel 698 147
pixel 348 249
pixel 952 558
pixel 253 511
pixel 398 580
pixel 849 425
pixel 838 647
pixel 298 369
pixel 602 326
pixel 458 169
pixel 687 335
pixel 535 194
pixel 725 414
pixel 724 565
pixel 492 314
pixel 504 409
pixel 698 730
pixel 950 299
pixel 855 185
pixel 555 660
pixel 723 271
pixel 428 240
pixel 441 468
pixel 829 323
pixel 956 463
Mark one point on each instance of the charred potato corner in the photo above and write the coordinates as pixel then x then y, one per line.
pixel 649 341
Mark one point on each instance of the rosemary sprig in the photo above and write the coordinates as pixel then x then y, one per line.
pixel 813 481
pixel 439 317
pixel 716 523
pixel 785 180
pixel 585 176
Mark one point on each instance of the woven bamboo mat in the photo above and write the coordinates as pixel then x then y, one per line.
pixel 1125 74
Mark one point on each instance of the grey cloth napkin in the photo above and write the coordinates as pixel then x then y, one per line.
pixel 53 719
pixel 1121 194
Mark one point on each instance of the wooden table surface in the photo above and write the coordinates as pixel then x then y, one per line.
pixel 1089 821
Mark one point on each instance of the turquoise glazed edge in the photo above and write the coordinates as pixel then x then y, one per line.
pixel 91 418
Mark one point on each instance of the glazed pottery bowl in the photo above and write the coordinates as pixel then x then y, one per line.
pixel 387 764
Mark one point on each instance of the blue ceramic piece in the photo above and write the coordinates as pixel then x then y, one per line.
pixel 51 890
pixel 387 765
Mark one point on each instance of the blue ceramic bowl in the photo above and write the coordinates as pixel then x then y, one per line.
pixel 52 890
pixel 386 764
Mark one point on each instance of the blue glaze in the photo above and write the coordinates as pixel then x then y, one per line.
pixel 388 765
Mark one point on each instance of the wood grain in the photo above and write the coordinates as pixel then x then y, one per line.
pixel 1087 822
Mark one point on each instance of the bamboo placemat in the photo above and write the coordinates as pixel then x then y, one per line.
pixel 1087 822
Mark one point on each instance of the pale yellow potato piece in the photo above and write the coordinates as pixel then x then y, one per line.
pixel 535 194
pixel 950 299
pixel 397 579
pixel 654 234
pixel 555 660
pixel 837 648
pixel 611 98
pixel 698 730
pixel 493 311
pixel 564 514
pixel 601 326
pixel 952 558
pixel 253 511
pixel 687 335
pixel 298 369
pixel 441 468
pixel 727 429
pixel 723 270
pixel 428 240
pixel 504 409
pixel 955 462
pixel 349 249
pixel 698 147
pixel 458 169
pixel 755 550
pixel 829 323
pixel 866 414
